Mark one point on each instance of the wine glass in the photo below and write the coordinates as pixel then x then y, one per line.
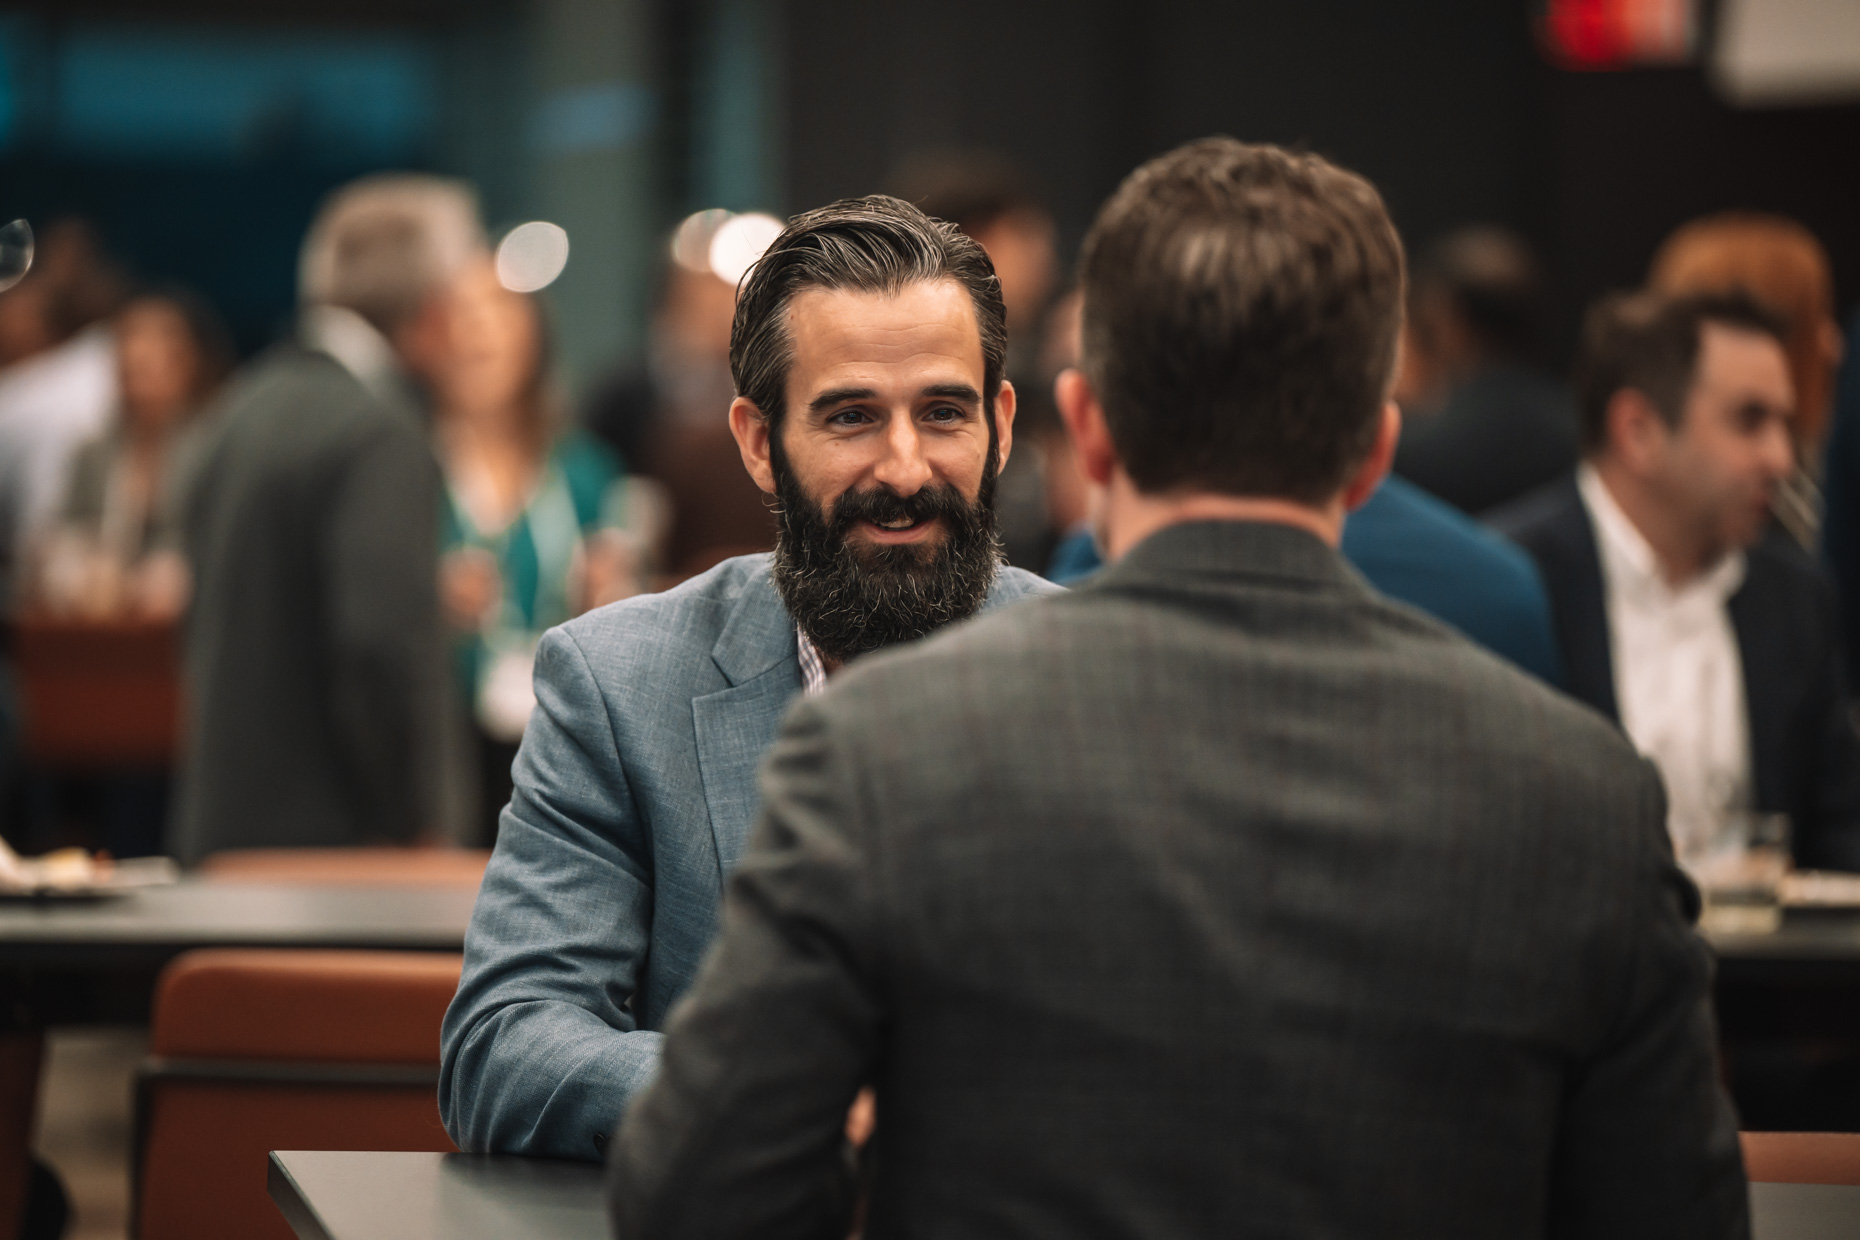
pixel 15 253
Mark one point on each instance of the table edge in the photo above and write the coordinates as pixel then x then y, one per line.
pixel 291 1202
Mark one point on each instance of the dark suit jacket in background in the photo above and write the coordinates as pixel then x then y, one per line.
pixel 1219 898
pixel 1502 433
pixel 1805 758
pixel 314 666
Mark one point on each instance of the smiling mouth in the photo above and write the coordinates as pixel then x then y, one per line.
pixel 885 531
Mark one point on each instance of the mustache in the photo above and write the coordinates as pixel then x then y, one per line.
pixel 883 506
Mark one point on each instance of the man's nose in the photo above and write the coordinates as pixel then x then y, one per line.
pixel 1779 449
pixel 903 467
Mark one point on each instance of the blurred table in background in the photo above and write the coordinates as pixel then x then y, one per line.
pixel 96 962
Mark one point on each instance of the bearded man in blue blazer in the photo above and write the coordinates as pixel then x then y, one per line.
pixel 868 352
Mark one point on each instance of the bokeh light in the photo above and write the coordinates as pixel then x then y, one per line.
pixel 531 256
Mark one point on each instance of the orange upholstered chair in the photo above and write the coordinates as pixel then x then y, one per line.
pixel 253 1051
pixel 1802 1157
pixel 400 867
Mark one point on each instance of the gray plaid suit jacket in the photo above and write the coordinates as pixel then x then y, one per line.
pixel 1221 897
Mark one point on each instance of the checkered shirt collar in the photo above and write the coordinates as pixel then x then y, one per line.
pixel 813 671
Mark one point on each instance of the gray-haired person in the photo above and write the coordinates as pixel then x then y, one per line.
pixel 314 663
pixel 867 354
pixel 1221 896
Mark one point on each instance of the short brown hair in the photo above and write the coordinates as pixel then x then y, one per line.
pixel 1242 305
pixel 876 244
pixel 1649 342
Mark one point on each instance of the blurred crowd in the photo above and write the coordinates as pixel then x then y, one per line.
pixel 411 465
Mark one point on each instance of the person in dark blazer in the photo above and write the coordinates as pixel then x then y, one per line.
pixel 1683 612
pixel 314 658
pixel 1221 896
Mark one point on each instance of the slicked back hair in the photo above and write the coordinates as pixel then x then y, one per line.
pixel 875 244
pixel 1649 341
pixel 1242 305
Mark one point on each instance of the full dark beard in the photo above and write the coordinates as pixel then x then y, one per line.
pixel 852 600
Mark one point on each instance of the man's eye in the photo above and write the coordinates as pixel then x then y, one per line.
pixel 847 417
pixel 945 413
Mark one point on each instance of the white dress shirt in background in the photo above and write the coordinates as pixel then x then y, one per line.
pixel 1679 679
pixel 50 404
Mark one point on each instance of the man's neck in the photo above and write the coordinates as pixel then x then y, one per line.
pixel 1682 555
pixel 1129 516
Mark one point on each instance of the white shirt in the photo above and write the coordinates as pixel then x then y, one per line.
pixel 813 669
pixel 1679 679
pixel 50 404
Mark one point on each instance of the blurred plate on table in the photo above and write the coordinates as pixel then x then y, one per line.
pixel 1831 889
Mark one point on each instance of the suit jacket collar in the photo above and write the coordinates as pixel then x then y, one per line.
pixel 1226 550
pixel 1566 554
pixel 757 634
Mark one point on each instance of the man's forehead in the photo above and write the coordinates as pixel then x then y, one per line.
pixel 1746 360
pixel 925 324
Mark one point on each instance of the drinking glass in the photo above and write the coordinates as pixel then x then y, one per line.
pixel 1739 872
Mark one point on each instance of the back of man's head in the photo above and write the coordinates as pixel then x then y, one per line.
pixel 1649 342
pixel 1242 305
pixel 1486 279
pixel 383 245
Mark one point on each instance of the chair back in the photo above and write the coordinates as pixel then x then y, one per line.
pixel 1802 1157
pixel 254 1050
pixel 396 867
pixel 98 695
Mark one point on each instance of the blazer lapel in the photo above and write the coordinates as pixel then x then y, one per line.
pixel 1573 573
pixel 1768 686
pixel 735 726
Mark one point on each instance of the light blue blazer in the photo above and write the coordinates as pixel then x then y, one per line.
pixel 635 792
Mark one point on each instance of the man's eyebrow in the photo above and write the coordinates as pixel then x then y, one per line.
pixel 839 396
pixel 954 391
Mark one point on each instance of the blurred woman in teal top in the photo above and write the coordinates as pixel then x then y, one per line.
pixel 536 527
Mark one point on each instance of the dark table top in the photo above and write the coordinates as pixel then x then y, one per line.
pixel 346 1196
pixel 193 913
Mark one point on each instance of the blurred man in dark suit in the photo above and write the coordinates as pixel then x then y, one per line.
pixel 1683 612
pixel 314 660
pixel 1220 897
pixel 1485 424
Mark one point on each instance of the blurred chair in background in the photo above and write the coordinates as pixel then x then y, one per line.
pixel 987 197
pixel 253 1051
pixel 670 421
pixel 1782 267
pixel 315 664
pixel 1483 424
pixel 386 867
pixel 537 526
pixel 1801 1157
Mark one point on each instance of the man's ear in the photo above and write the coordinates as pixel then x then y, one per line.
pixel 752 440
pixel 1084 419
pixel 1635 431
pixel 1375 466
pixel 1005 405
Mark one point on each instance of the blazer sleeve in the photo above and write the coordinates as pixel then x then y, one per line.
pixel 385 663
pixel 1831 837
pixel 540 1050
pixel 1647 1144
pixel 742 1132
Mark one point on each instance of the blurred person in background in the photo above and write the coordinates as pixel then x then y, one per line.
pixel 987 197
pixel 58 370
pixel 670 421
pixel 1683 612
pixel 114 549
pixel 535 527
pixel 1412 547
pixel 1840 525
pixel 1484 424
pixel 1782 267
pixel 315 665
